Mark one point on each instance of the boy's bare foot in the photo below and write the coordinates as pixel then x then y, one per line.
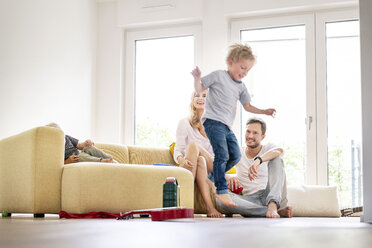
pixel 286 212
pixel 107 160
pixel 213 213
pixel 272 210
pixel 226 200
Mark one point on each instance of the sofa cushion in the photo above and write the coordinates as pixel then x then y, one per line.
pixel 118 152
pixel 313 201
pixel 115 188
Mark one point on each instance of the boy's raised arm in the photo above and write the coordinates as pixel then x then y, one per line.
pixel 197 83
pixel 250 108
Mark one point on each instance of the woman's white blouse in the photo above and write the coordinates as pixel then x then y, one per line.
pixel 186 134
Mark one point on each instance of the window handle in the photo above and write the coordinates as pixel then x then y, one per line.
pixel 308 121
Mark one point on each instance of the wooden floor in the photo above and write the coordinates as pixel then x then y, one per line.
pixel 25 231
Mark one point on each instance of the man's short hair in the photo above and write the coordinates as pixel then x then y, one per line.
pixel 259 121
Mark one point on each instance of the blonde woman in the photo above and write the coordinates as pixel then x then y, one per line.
pixel 193 150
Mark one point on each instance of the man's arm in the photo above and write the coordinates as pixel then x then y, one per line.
pixel 199 87
pixel 252 109
pixel 271 154
pixel 267 156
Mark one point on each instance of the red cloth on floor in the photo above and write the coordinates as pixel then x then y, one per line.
pixel 90 215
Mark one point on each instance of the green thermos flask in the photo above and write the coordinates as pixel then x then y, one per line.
pixel 170 192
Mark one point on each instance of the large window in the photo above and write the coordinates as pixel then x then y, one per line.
pixel 283 78
pixel 279 80
pixel 159 84
pixel 344 111
pixel 308 69
pixel 163 88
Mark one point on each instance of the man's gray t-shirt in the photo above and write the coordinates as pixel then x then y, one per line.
pixel 223 94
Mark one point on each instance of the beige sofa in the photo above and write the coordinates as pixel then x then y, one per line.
pixel 35 180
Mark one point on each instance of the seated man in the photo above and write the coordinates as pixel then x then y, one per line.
pixel 261 174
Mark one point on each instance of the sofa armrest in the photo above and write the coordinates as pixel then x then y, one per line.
pixel 30 170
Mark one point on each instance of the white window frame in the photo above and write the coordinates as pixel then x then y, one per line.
pixel 317 155
pixel 128 76
pixel 282 21
pixel 321 62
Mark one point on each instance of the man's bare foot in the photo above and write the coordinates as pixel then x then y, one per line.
pixel 286 212
pixel 107 160
pixel 272 210
pixel 213 213
pixel 226 200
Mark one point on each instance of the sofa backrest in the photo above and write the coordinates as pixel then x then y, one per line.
pixel 119 152
pixel 137 154
pixel 149 155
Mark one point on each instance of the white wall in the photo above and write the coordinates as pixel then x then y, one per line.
pixel 135 13
pixel 47 65
pixel 366 77
pixel 108 98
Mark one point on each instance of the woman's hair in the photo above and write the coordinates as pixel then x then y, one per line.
pixel 193 119
pixel 240 51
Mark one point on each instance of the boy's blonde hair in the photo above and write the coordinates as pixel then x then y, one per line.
pixel 240 51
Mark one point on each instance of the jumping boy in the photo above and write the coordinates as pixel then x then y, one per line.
pixel 225 89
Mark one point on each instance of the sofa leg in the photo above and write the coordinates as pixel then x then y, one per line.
pixel 38 215
pixel 6 214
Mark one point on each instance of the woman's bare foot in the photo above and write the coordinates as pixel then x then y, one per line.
pixel 213 213
pixel 272 210
pixel 226 200
pixel 285 212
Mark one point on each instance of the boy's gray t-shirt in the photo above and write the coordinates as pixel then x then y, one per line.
pixel 223 94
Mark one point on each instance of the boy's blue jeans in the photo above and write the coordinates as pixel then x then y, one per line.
pixel 226 152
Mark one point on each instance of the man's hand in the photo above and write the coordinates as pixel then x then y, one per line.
pixel 253 170
pixel 72 159
pixel 196 73
pixel 232 183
